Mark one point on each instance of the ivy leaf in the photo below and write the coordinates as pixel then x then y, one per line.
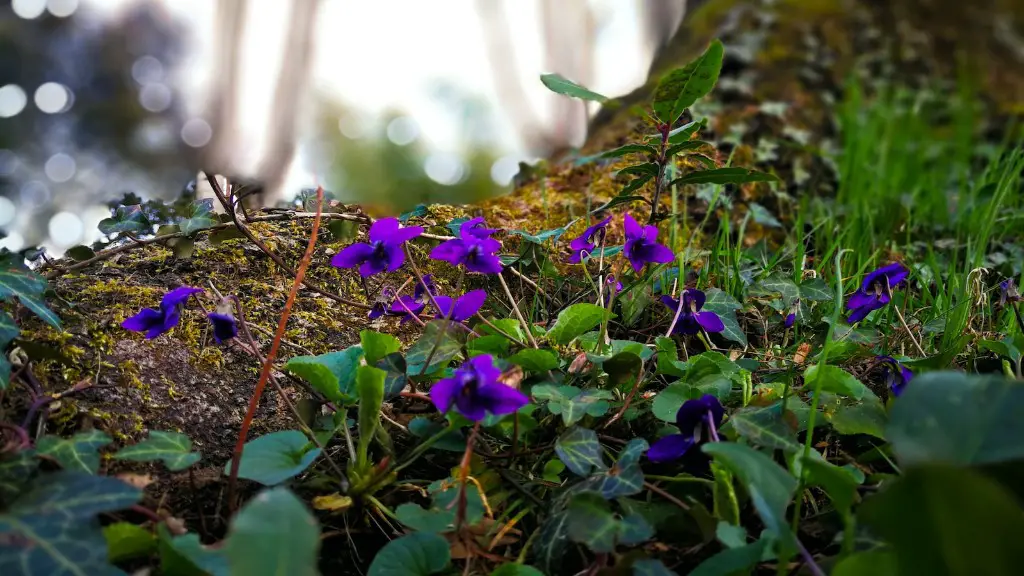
pixel 200 217
pixel 978 517
pixel 17 280
pixel 552 542
pixel 720 302
pixel 960 419
pixel 75 495
pixel 724 176
pixel 172 448
pixel 80 253
pixel 815 290
pixel 331 374
pixel 15 472
pixel 126 541
pixel 629 149
pixel 680 88
pixel 376 345
pixel 80 453
pixel 587 402
pixel 779 284
pixel 769 485
pixel 126 219
pixel 8 329
pixel 574 321
pixel 274 533
pixel 560 85
pixel 592 523
pixel 625 478
pixel 448 340
pixel 275 457
pixel 732 330
pixel 837 381
pixel 861 418
pixel 416 554
pixel 580 451
pixel 535 360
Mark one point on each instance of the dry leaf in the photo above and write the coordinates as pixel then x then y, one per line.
pixel 579 364
pixel 332 502
pixel 139 481
pixel 512 377
pixel 801 353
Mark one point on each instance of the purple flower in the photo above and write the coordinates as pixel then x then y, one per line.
pixel 465 305
pixel 156 322
pixel 224 326
pixel 875 291
pixel 691 419
pixel 790 319
pixel 642 246
pixel 1008 292
pixel 474 248
pixel 377 310
pixel 614 286
pixel 384 251
pixel 691 319
pixel 475 390
pixel 896 375
pixel 410 306
pixel 586 242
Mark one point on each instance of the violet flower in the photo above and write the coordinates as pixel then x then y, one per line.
pixel 895 374
pixel 791 317
pixel 691 319
pixel 225 327
pixel 691 420
pixel 614 286
pixel 465 305
pixel 642 247
pixel 377 310
pixel 383 252
pixel 1008 292
pixel 410 306
pixel 475 390
pixel 474 249
pixel 586 242
pixel 156 322
pixel 875 291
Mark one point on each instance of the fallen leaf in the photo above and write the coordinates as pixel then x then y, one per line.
pixel 139 481
pixel 332 502
pixel 801 353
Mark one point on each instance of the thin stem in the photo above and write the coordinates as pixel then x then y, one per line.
pixel 903 322
pixel 460 515
pixel 679 311
pixel 666 496
pixel 440 333
pixel 515 307
pixel 501 332
pixel 711 427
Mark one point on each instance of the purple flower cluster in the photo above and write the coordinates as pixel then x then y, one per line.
pixel 156 321
pixel 384 251
pixel 475 390
pixel 641 247
pixel 473 248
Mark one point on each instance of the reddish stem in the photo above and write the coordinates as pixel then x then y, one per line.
pixel 268 365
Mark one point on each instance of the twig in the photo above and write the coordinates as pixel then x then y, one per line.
pixel 515 307
pixel 269 363
pixel 666 496
pixel 903 322
pixel 629 398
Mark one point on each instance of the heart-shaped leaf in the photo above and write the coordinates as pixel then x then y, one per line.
pixel 574 321
pixel 765 427
pixel 274 533
pixel 80 253
pixel 837 381
pixel 535 360
pixel 172 448
pixel 395 377
pixel 275 457
pixel 769 485
pixel 416 554
pixel 815 289
pixel 80 453
pixel 332 374
pixel 866 417
pixel 126 219
pixel 126 541
pixel 17 280
pixel 580 451
pixel 200 217
pixel 377 345
pixel 780 284
pixel 441 337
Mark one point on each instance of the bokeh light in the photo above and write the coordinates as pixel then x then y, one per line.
pixel 155 97
pixel 403 131
pixel 12 100
pixel 445 168
pixel 28 9
pixel 196 133
pixel 7 211
pixel 65 229
pixel 60 168
pixel 504 169
pixel 52 98
pixel 62 8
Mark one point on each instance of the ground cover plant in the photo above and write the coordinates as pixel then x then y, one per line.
pixel 634 391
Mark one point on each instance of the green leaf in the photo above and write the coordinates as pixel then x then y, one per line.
pixel 770 487
pixel 15 472
pixel 446 337
pixel 331 374
pixel 539 238
pixel 685 147
pixel 274 534
pixel 839 483
pixel 651 567
pixel 720 302
pixel 625 478
pixel 942 520
pixel 183 248
pixel 837 381
pixel 128 219
pixel 552 542
pixel 875 562
pixel 40 546
pixel 959 419
pixel 579 449
pixel 647 168
pixel 683 133
pixel 370 384
pixel 724 176
pixel 75 495
pixel 126 541
pixel 172 448
pixel 8 329
pixel 185 555
pixel 80 253
pixel 765 427
pixel 592 523
pixel 779 284
pixel 275 457
pixel 17 280
pixel 80 453
pixel 867 417
pixel 224 234
pixel 588 402
pixel 377 345
pixel 667 403
pixel 574 321
pixel 732 560
pixel 668 354
pixel 416 554
pixel 624 197
pixel 200 217
pixel 535 360
pixel 513 569
pixel 560 85
pixel 629 149
pixel 452 441
pixel 732 330
pixel 490 344
pixel 420 519
pixel 623 369
pixel 680 88
pixel 815 290
pixel 395 378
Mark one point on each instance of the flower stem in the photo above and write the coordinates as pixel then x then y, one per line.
pixel 460 515
pixel 519 315
pixel 903 322
pixel 659 180
pixel 447 318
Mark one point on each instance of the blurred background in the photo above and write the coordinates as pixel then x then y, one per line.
pixel 391 102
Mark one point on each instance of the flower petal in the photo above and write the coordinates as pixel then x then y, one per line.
pixel 352 255
pixel 483 369
pixel 395 257
pixel 651 233
pixel 860 299
pixel 670 302
pixel 687 324
pixel 177 297
pixel 895 273
pixel 382 230
pixel 407 305
pixel 485 264
pixel 475 227
pixel 443 393
pixel 500 399
pixel 452 251
pixel 633 230
pixel 709 321
pixel 403 235
pixel 790 320
pixel 444 304
pixel 694 297
pixel 372 266
pixel 667 448
pixel 144 320
pixel 468 304
pixel 224 326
